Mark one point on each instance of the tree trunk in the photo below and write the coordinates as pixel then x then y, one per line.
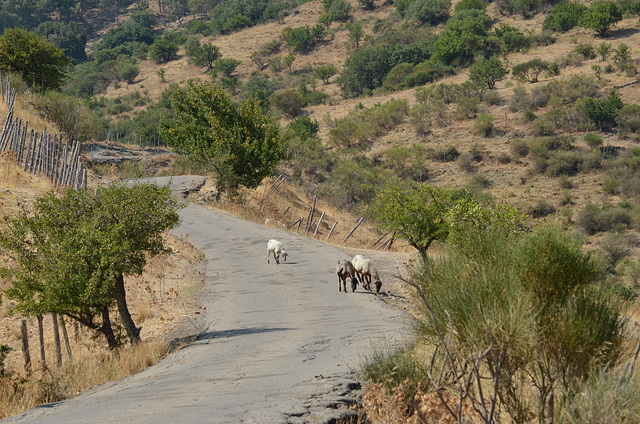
pixel 107 330
pixel 121 297
pixel 63 326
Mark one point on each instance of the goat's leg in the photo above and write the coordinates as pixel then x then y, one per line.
pixel 277 256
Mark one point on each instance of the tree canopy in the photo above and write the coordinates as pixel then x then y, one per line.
pixel 240 142
pixel 40 63
pixel 423 214
pixel 70 256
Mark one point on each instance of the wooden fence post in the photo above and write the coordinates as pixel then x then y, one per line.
pixel 329 235
pixel 351 232
pixel 56 340
pixel 43 360
pixel 25 347
pixel 319 221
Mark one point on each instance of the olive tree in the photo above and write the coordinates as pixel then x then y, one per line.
pixel 71 254
pixel 240 142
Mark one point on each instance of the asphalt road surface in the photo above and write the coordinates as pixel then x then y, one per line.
pixel 282 346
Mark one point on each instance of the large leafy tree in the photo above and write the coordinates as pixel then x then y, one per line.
pixel 71 255
pixel 40 63
pixel 240 142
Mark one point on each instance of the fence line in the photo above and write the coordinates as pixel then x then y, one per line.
pixel 39 153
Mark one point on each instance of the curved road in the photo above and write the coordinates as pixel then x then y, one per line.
pixel 282 347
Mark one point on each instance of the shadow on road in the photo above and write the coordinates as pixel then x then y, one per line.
pixel 239 332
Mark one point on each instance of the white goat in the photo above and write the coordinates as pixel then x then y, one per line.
pixel 365 270
pixel 275 247
pixel 345 269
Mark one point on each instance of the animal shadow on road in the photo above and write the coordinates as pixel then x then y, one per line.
pixel 240 332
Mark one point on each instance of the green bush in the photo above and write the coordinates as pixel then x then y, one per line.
pixel 585 50
pixel 603 112
pixel 629 118
pixel 595 220
pixel 227 66
pixel 564 16
pixel 325 72
pixel 483 125
pixel 541 209
pixel 290 102
pixel 593 140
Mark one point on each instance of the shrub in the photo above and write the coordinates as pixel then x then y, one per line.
pixel 603 112
pixel 564 16
pixel 429 11
pixel 470 4
pixel 541 209
pixel 593 140
pixel 594 219
pixel 338 10
pixel 611 186
pixel 513 38
pixel 585 50
pixel 519 147
pixel 521 100
pixel 483 125
pixel 530 71
pixel 234 23
pixel 227 66
pixel 629 118
pixel 290 102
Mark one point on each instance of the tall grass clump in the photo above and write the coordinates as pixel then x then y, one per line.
pixel 515 318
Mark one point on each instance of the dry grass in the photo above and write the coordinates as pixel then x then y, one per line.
pixel 91 366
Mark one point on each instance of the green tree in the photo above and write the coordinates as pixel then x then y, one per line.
pixel 356 32
pixel 68 36
pixel 40 63
pixel 325 72
pixel 488 72
pixel 240 142
pixel 530 71
pixel 227 66
pixel 417 214
pixel 163 49
pixel 206 55
pixel 601 16
pixel 71 255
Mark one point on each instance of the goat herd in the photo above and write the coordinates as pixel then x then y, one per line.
pixel 359 269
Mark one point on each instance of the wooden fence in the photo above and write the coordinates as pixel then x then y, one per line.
pixel 40 153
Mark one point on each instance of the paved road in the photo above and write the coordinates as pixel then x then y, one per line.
pixel 282 346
